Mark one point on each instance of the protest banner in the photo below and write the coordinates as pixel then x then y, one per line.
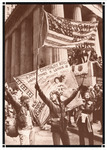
pixel 57 76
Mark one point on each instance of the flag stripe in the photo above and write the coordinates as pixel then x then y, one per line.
pixel 55 36
pixel 59 36
pixel 57 43
pixel 66 33
pixel 67 42
pixel 51 43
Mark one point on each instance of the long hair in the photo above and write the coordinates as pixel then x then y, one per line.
pixel 57 96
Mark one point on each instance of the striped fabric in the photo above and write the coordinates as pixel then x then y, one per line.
pixel 64 33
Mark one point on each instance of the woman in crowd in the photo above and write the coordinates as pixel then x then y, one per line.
pixel 84 121
pixel 58 119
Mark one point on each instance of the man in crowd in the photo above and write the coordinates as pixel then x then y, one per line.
pixel 25 119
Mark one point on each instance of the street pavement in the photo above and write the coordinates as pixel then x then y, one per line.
pixel 96 126
pixel 44 137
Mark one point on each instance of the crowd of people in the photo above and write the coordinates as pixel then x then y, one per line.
pixel 19 116
pixel 94 96
pixel 19 111
pixel 20 120
pixel 76 57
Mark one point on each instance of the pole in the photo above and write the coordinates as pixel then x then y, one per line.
pixel 37 56
pixel 38 47
pixel 82 84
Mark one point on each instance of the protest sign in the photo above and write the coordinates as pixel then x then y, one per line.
pixel 57 76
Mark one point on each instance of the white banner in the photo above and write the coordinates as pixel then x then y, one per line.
pixel 80 69
pixel 57 76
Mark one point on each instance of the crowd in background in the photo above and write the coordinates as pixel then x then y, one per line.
pixel 91 94
pixel 90 111
pixel 82 56
pixel 9 109
pixel 94 94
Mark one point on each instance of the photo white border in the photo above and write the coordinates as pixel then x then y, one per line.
pixel 1 75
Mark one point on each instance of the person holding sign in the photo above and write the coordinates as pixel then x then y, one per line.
pixel 57 119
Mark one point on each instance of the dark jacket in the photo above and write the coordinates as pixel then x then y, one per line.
pixel 55 109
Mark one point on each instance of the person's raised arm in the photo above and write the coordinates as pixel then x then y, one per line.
pixel 8 97
pixel 44 98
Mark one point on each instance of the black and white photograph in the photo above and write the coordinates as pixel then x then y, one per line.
pixel 53 74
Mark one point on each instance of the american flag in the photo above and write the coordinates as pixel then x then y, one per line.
pixel 66 33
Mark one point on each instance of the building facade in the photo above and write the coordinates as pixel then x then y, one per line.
pixel 22 31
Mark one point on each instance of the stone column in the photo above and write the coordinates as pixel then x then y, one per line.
pixel 77 16
pixel 15 54
pixel 58 10
pixel 29 47
pixel 93 18
pixel 26 47
pixel 8 60
pixel 23 48
pixel 59 54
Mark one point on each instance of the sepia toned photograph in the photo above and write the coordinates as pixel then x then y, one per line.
pixel 53 74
